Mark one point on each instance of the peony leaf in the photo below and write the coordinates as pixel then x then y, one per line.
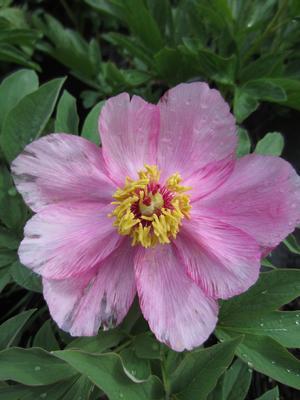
pixel 267 356
pixel 244 143
pixel 234 384
pixel 14 88
pixel 271 144
pixel 67 119
pixel 90 127
pixel 272 394
pixel 272 290
pixel 26 121
pixel 32 366
pixel 106 371
pixel 199 371
pixel 12 327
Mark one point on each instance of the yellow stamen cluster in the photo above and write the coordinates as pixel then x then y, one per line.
pixel 156 222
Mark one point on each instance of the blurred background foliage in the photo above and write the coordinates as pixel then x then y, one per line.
pixel 60 60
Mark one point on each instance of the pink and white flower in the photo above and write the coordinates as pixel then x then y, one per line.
pixel 163 209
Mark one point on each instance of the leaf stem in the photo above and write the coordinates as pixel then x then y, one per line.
pixel 268 30
pixel 165 376
pixel 125 344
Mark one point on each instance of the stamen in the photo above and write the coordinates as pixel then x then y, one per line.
pixel 149 212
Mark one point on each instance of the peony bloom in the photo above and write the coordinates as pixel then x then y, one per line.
pixel 164 209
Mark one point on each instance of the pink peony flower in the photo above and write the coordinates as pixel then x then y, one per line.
pixel 164 209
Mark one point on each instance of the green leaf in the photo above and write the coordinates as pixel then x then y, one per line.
pixel 146 346
pixel 104 341
pixel 271 144
pixel 90 129
pixel 32 367
pixel 45 338
pixel 7 257
pixel 12 327
pixel 8 239
pixel 69 48
pixel 143 25
pixel 243 104
pixel 15 16
pixel 267 356
pixel 267 263
pixel 10 53
pixel 272 394
pixel 265 89
pixel 76 388
pixel 12 211
pixel 130 45
pixel 199 371
pixel 173 66
pixel 79 390
pixel 67 119
pixel 112 7
pixel 244 143
pixel 161 11
pixel 4 278
pixel 26 121
pixel 137 369
pixel 272 290
pixel 106 371
pixel 234 383
pixel 263 67
pixel 282 326
pixel 292 244
pixel 210 64
pixel 25 278
pixel 292 90
pixel 14 88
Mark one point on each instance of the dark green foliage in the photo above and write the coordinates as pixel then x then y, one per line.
pixel 248 50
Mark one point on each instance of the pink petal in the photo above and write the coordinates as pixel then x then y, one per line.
pixel 99 297
pixel 129 130
pixel 59 168
pixel 177 310
pixel 261 197
pixel 196 128
pixel 223 260
pixel 65 241
pixel 209 178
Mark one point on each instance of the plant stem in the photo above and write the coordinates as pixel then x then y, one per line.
pixel 165 376
pixel 268 30
pixel 125 344
pixel 70 13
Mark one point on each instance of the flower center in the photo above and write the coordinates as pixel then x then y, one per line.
pixel 148 211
